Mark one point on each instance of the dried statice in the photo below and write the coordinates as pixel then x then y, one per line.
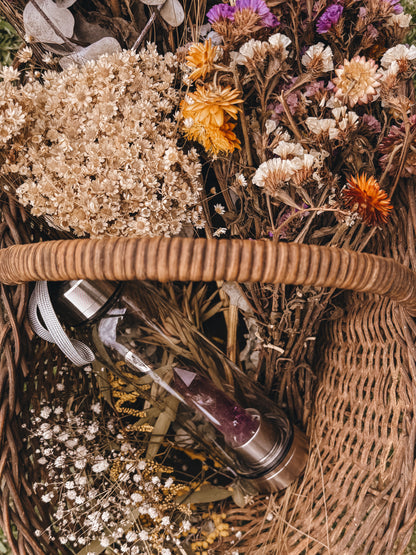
pixel 97 147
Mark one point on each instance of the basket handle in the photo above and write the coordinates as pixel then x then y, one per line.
pixel 185 259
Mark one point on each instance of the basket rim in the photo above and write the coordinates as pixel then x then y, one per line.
pixel 186 259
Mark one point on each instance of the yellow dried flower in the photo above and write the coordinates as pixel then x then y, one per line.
pixel 210 105
pixel 202 57
pixel 215 140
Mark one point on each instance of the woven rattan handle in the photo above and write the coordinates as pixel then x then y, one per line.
pixel 185 259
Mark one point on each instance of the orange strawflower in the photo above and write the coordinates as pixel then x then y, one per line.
pixel 202 57
pixel 215 140
pixel 209 105
pixel 363 195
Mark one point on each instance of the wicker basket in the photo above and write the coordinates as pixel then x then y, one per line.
pixel 357 495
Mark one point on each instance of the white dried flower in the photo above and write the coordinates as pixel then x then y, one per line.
pixel 220 231
pixel 270 126
pixel 402 54
pixel 275 172
pixel 25 54
pixel 357 81
pixel 318 57
pixel 45 412
pixel 250 49
pixel 288 150
pixel 402 20
pixel 9 74
pixel 320 126
pixel 280 43
pixel 240 180
pixel 100 466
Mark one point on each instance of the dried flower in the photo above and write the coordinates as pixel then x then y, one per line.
pixel 9 74
pixel 68 129
pixel 357 81
pixel 329 18
pixel 25 54
pixel 318 58
pixel 280 42
pixel 210 105
pixel 215 140
pixel 220 12
pixel 252 50
pixel 403 54
pixel 322 126
pixel 364 196
pixel 372 124
pixel 395 5
pixel 390 148
pixel 402 20
pixel 202 57
pixel 274 173
pixel 220 231
pixel 259 7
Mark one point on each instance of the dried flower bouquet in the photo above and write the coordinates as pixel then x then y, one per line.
pixel 292 122
pixel 304 111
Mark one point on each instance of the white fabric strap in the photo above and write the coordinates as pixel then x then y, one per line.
pixel 40 303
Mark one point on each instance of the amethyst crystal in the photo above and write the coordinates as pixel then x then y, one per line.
pixel 329 18
pixel 235 423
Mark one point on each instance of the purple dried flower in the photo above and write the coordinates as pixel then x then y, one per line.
pixel 329 18
pixel 372 123
pixel 221 11
pixel 395 4
pixel 313 88
pixel 259 7
pixel 372 31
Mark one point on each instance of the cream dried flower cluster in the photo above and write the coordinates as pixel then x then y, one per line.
pixel 97 147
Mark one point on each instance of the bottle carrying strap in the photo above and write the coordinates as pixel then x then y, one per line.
pixel 40 304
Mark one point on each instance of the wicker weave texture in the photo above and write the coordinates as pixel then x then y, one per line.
pixel 357 494
pixel 165 259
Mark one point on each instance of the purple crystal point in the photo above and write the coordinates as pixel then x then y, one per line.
pixel 235 423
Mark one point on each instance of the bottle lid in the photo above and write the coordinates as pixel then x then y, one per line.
pixel 80 301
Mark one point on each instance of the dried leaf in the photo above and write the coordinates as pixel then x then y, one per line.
pixel 161 427
pixel 153 2
pixel 172 12
pixel 64 3
pixel 107 45
pixel 238 497
pixel 286 199
pixel 206 494
pixel 40 29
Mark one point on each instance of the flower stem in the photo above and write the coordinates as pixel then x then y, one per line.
pixel 243 122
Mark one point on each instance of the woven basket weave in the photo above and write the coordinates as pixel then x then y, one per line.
pixel 357 494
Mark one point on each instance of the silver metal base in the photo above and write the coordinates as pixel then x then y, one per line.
pixel 292 466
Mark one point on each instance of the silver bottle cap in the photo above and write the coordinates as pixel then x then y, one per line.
pixel 81 300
